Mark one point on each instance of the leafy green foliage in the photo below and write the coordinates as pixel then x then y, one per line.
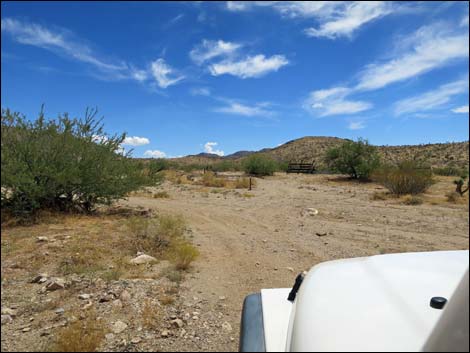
pixel 65 164
pixel 260 165
pixel 408 177
pixel 356 158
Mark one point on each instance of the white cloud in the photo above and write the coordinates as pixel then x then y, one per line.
pixel 356 125
pixel 210 49
pixel 136 141
pixel 164 74
pixel 431 99
pixel 428 48
pixel 209 148
pixel 62 42
pixel 350 18
pixel 252 66
pixel 245 110
pixel 154 154
pixel 333 101
pixel 335 18
pixel 462 109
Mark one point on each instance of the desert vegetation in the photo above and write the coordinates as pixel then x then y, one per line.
pixel 358 159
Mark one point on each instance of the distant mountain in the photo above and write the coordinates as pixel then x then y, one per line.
pixel 239 154
pixel 313 148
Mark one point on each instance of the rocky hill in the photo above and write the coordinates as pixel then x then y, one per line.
pixel 313 148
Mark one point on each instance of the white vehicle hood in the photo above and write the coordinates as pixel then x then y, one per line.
pixel 378 303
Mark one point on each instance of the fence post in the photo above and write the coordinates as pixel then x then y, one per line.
pixel 250 185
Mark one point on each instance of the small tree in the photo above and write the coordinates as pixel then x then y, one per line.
pixel 259 164
pixel 64 164
pixel 356 158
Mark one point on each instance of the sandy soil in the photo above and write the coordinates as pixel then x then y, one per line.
pixel 248 240
pixel 265 239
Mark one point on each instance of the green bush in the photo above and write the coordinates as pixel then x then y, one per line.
pixel 408 177
pixel 260 165
pixel 64 164
pixel 450 170
pixel 358 159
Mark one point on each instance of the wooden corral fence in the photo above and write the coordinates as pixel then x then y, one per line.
pixel 301 167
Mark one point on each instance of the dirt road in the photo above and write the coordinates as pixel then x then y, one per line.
pixel 263 238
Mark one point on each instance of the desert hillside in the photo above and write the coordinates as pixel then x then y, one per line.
pixel 313 148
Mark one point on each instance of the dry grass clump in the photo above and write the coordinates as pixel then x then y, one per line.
pixel 161 195
pixel 412 200
pixel 210 179
pixel 83 335
pixel 183 254
pixel 151 314
pixel 379 196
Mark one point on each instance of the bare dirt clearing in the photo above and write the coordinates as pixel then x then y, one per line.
pixel 248 240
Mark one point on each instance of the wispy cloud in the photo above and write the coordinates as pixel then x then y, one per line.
pixel 333 101
pixel 154 154
pixel 461 110
pixel 62 42
pixel 350 17
pixel 356 125
pixel 136 141
pixel 335 18
pixel 431 99
pixel 428 48
pixel 200 91
pixel 236 108
pixel 210 49
pixel 249 67
pixel 164 74
pixel 209 148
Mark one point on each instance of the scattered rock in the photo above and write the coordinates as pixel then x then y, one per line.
pixel 109 336
pixel 55 284
pixel 177 323
pixel 136 340
pixel 42 239
pixel 9 312
pixel 226 326
pixel 84 296
pixel 6 319
pixel 125 296
pixel 26 329
pixel 40 278
pixel 222 297
pixel 310 211
pixel 118 327
pixel 290 269
pixel 165 333
pixel 321 234
pixel 59 311
pixel 143 259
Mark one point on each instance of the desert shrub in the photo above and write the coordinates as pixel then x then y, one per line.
pixel 407 177
pixel 358 159
pixel 184 254
pixel 259 164
pixel 80 336
pixel 152 235
pixel 412 200
pixel 210 179
pixel 450 170
pixel 226 166
pixel 62 164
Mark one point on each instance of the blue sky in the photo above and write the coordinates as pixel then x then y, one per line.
pixel 183 78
